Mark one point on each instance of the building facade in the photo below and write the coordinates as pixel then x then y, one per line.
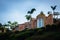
pixel 40 21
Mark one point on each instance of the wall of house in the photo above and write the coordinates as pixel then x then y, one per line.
pixel 49 20
pixel 46 20
pixel 33 23
pixel 21 27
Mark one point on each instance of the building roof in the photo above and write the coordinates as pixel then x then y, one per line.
pixel 41 15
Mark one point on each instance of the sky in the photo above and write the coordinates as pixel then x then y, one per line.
pixel 15 10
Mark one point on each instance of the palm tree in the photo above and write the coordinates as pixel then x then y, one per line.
pixel 15 24
pixel 12 25
pixel 53 8
pixel 31 12
pixel 28 17
pixel 9 24
pixel 5 25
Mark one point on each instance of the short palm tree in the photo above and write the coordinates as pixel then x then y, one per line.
pixel 12 25
pixel 2 27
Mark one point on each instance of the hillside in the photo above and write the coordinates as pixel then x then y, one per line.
pixel 51 32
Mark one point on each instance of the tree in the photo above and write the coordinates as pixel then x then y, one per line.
pixel 31 12
pixel 28 17
pixel 5 25
pixel 15 24
pixel 2 27
pixel 9 22
pixel 0 24
pixel 12 25
pixel 53 8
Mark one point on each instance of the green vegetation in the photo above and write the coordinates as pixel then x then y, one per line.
pixel 12 25
pixel 8 26
pixel 53 8
pixel 29 13
pixel 51 32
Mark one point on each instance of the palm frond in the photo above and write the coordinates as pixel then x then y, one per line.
pixel 32 10
pixel 29 12
pixel 28 17
pixel 53 7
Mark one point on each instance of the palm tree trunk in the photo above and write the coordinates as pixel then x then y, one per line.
pixel 53 14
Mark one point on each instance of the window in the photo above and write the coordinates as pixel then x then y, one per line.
pixel 40 22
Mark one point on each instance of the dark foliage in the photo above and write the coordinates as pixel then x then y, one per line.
pixel 50 32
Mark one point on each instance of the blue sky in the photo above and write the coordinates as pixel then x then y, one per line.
pixel 15 10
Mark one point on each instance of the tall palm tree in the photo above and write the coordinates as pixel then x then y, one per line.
pixel 28 17
pixel 53 8
pixel 31 12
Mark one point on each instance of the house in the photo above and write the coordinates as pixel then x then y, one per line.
pixel 40 21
